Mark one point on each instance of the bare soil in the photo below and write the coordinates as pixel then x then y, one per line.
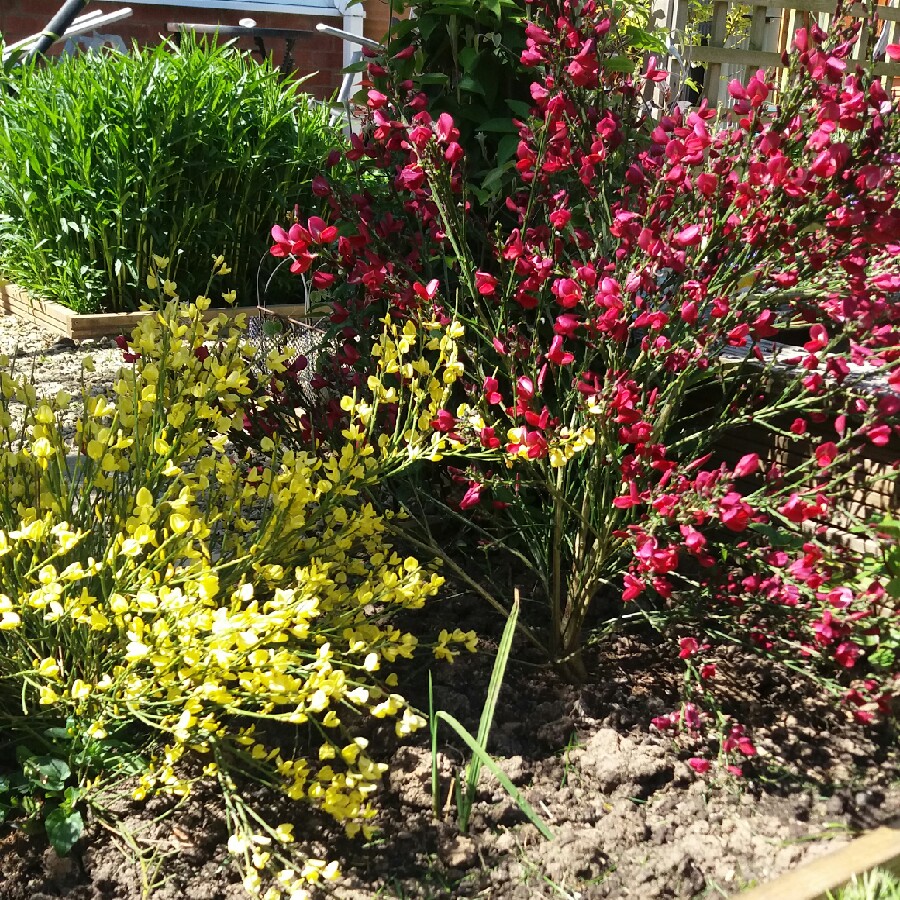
pixel 630 817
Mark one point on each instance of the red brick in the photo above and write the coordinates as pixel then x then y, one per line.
pixel 19 18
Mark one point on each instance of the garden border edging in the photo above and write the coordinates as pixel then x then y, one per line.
pixel 85 326
pixel 813 880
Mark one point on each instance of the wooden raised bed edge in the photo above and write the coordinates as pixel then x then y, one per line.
pixel 879 849
pixel 79 327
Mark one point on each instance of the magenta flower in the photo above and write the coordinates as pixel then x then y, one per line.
pixel 734 512
pixel 444 422
pixel 557 355
pixel 472 497
pixel 747 465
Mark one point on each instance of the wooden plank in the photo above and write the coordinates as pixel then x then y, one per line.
pixel 16 300
pixel 718 29
pixel 857 10
pixel 756 39
pixel 877 849
pixel 719 56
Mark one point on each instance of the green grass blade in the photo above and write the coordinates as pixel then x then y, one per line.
pixel 490 704
pixel 497 772
pixel 433 726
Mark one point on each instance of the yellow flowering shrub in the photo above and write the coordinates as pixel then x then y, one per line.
pixel 154 577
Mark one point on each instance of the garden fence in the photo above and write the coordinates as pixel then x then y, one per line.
pixel 765 31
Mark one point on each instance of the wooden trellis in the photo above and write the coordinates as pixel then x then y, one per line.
pixel 770 31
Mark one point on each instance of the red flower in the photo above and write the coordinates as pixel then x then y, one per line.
pixel 846 653
pixel 738 740
pixel 290 242
pixel 524 388
pixel 688 237
pixel 472 497
pixel 534 443
pixel 566 324
pixel 560 218
pixel 634 587
pixel 700 766
pixel 411 178
pixel 485 284
pixel 320 232
pixel 426 291
pixel 689 646
pixel 826 453
pixel 491 392
pixel 557 355
pixel 583 68
pixel 880 435
pixel 734 512
pixel 444 422
pixel 567 292
pixel 747 465
pixel 488 439
pixel 818 339
pixel 293 243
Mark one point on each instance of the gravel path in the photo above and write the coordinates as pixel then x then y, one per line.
pixel 54 362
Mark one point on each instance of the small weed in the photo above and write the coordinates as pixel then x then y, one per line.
pixel 467 786
pixel 830 831
pixel 430 884
pixel 573 744
pixel 877 884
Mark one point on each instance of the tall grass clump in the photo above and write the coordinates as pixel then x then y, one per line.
pixel 109 159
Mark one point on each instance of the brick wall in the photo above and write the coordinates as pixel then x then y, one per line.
pixel 378 18
pixel 317 53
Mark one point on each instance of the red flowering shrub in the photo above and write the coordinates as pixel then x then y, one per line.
pixel 620 315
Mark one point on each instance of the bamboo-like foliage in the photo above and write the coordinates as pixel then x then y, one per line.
pixel 108 159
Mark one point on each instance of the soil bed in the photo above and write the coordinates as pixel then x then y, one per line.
pixel 631 818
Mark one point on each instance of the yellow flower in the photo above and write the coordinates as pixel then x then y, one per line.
pixel 285 833
pixel 47 696
pixel 48 667
pixel 237 844
pixel 136 650
pixel 9 621
pixel 409 723
pixel 179 523
pixel 80 689
pixel 96 731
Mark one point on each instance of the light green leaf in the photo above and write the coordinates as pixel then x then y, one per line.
pixel 64 829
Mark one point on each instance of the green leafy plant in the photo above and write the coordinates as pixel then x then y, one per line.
pixel 467 785
pixel 884 643
pixel 877 884
pixel 41 792
pixel 182 151
pixel 465 57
